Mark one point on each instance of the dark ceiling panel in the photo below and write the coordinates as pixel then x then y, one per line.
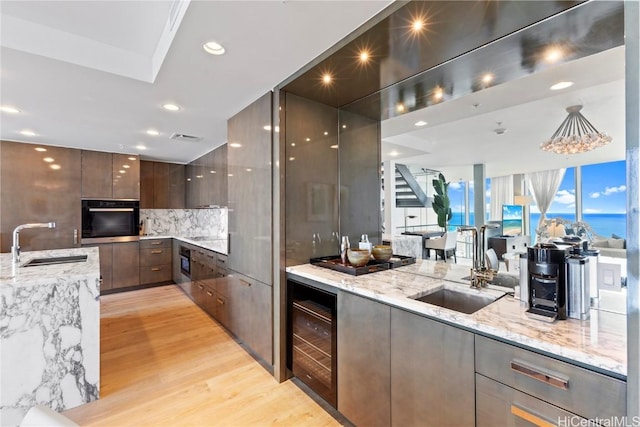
pixel 397 52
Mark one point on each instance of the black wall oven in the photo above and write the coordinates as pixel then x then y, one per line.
pixel 110 221
pixel 185 261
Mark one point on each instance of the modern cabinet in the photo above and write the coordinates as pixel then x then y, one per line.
pixel 119 265
pixel 162 185
pixel 432 372
pixel 155 261
pixel 206 179
pixel 364 360
pixel 110 175
pixel 40 186
pixel 553 386
pixel 249 186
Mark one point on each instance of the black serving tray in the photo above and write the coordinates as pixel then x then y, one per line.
pixel 335 263
pixel 400 261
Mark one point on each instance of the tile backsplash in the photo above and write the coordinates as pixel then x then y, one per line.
pixel 186 222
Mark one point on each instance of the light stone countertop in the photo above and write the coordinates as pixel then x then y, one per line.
pixel 11 274
pixel 216 244
pixel 598 343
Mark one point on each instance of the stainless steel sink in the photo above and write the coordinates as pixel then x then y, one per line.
pixel 55 260
pixel 463 300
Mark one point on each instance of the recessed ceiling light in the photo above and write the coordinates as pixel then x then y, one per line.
pixel 394 153
pixel 188 179
pixel 49 159
pixel 418 24
pixel 40 149
pixel 487 78
pixel 553 54
pixel 248 169
pixel 235 145
pixel 229 174
pixel 293 144
pixel 212 171
pixel 27 132
pixel 140 147
pixel 9 109
pixel 55 167
pixel 561 85
pixel 326 133
pixel 152 132
pixel 420 123
pixel 364 56
pixel 307 139
pixel 171 107
pixel 213 48
pixel 326 78
pixel 344 126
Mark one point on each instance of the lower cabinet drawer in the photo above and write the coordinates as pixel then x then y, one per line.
pixel 500 405
pixel 155 256
pixel 155 274
pixel 578 390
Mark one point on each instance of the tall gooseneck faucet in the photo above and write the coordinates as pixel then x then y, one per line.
pixel 480 274
pixel 15 248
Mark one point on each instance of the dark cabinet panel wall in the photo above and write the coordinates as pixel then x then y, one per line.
pixel 249 170
pixel 110 175
pixel 39 186
pixel 97 174
pixel 359 153
pixel 206 180
pixel 162 185
pixel 311 179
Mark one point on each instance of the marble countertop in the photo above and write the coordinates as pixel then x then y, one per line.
pixel 599 343
pixel 13 275
pixel 213 243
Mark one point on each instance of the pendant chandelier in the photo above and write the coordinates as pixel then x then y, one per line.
pixel 575 135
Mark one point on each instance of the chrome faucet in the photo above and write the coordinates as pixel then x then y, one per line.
pixel 15 248
pixel 480 273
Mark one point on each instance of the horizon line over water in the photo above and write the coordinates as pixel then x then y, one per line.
pixel 603 224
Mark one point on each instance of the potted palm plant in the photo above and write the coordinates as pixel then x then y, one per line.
pixel 440 202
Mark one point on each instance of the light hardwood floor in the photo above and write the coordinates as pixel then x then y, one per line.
pixel 165 362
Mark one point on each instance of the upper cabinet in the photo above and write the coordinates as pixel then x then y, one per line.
pixel 206 179
pixel 39 183
pixel 162 185
pixel 110 175
pixel 249 190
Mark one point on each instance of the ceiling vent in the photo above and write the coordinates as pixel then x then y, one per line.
pixel 184 137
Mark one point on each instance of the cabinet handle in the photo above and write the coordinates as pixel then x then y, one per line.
pixel 156 243
pixel 220 301
pixel 75 236
pixel 529 416
pixel 210 256
pixel 209 293
pixel 201 287
pixel 244 282
pixel 538 374
pixel 156 269
pixel 157 251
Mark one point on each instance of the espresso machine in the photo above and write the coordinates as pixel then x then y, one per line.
pixel 547 284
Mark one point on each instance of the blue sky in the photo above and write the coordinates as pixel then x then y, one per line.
pixel 603 190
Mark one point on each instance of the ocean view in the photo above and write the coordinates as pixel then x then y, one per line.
pixel 603 224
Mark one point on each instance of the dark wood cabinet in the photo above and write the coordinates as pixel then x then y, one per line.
pixel 40 186
pixel 97 174
pixel 110 175
pixel 206 179
pixel 155 261
pixel 162 185
pixel 126 264
pixel 106 265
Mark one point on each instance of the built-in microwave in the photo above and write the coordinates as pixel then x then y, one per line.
pixel 110 221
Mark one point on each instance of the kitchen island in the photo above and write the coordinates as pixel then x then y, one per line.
pixel 402 361
pixel 50 332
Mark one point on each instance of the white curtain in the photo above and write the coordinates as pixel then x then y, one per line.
pixel 501 194
pixel 544 186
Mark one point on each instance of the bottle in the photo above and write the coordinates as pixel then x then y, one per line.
pixel 344 247
pixel 364 243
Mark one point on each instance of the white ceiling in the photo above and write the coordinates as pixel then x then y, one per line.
pixel 94 75
pixel 459 135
